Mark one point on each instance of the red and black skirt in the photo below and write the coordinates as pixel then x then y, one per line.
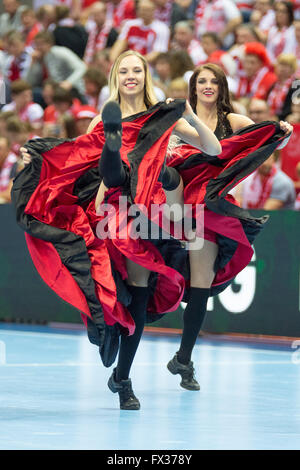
pixel 54 199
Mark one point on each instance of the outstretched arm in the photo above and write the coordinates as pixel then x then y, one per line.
pixel 198 134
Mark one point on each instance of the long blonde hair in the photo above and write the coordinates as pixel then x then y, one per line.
pixel 113 81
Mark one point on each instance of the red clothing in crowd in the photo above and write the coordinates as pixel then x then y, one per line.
pixel 117 14
pixel 6 170
pixel 145 39
pixel 258 86
pixel 51 114
pixel 32 33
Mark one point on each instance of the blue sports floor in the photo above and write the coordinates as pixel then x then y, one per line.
pixel 53 395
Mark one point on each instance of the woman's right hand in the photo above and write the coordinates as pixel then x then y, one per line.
pixel 26 157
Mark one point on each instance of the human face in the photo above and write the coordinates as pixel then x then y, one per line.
pixel 99 13
pixel 209 45
pixel 23 99
pixel 262 6
pixel 183 36
pixel 28 20
pixel 131 77
pixel 10 6
pixel 283 71
pixel 146 10
pixel 15 48
pixel 281 14
pixel 42 46
pixel 243 35
pixel 207 87
pixel 163 69
pixel 251 65
pixel 258 111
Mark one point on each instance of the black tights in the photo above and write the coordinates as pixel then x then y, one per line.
pixel 193 319
pixel 113 173
pixel 129 344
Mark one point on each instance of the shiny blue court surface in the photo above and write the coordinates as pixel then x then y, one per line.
pixel 53 395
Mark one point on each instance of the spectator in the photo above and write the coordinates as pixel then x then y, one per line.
pixel 296 48
pixel 181 64
pixel 4 116
pixel 62 103
pixel 18 133
pixel 23 105
pixel 171 12
pixel 257 79
pixel 144 34
pixel 244 33
pixel 280 97
pixel 83 116
pixel 5 58
pixel 7 161
pixel 178 89
pixel 163 11
pixel 263 16
pixel 60 63
pixel 68 33
pixel 20 56
pixel 246 8
pixel 49 87
pixel 10 20
pixel 101 34
pixel 118 11
pixel 162 71
pixel 184 39
pixel 46 16
pixel 259 111
pixel 218 16
pixel 30 26
pixel 102 62
pixel 212 47
pixel 281 37
pixel 94 80
pixel 294 117
pixel 267 188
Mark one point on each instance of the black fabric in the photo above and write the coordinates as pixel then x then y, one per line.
pixel 73 37
pixel 287 105
pixel 111 168
pixel 129 344
pixel 159 122
pixel 170 178
pixel 223 128
pixel 193 318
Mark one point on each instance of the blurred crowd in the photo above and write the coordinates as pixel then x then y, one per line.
pixel 55 58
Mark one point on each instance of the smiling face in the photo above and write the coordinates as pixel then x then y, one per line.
pixel 131 76
pixel 207 87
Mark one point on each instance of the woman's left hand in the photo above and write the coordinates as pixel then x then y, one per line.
pixel 286 127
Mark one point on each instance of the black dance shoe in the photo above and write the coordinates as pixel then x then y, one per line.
pixel 112 124
pixel 186 371
pixel 128 400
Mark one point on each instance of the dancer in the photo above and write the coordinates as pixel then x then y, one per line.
pixel 55 204
pixel 131 87
pixel 209 98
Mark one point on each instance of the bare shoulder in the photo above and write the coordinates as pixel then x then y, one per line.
pixel 93 123
pixel 238 121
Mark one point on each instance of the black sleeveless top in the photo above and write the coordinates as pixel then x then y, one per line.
pixel 223 129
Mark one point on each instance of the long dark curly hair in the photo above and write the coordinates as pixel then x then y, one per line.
pixel 224 106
